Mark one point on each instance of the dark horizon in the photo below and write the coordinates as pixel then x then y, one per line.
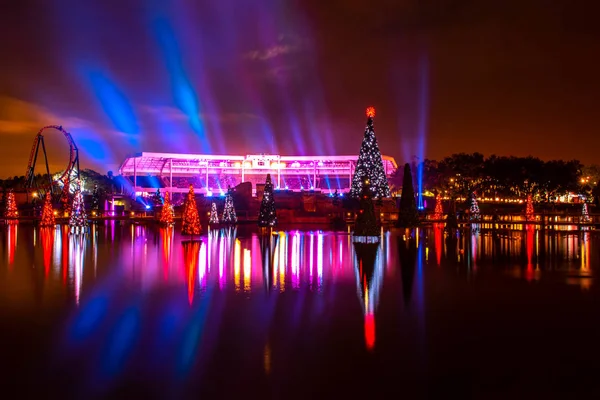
pixel 232 77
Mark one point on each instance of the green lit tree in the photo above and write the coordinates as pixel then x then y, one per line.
pixel 370 165
pixel 585 215
pixel 78 219
pixel 267 216
pixel 408 216
pixel 474 213
pixel 214 215
pixel 157 198
pixel 229 216
pixel 366 222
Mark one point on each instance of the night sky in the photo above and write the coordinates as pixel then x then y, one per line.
pixel 511 77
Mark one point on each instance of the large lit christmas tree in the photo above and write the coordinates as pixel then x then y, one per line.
pixel 267 216
pixel 585 215
pixel 213 219
pixel 366 222
pixel 529 213
pixel 167 214
pixel 47 212
pixel 229 215
pixel 408 216
pixel 11 211
pixel 369 165
pixel 78 220
pixel 438 212
pixel 190 217
pixel 474 213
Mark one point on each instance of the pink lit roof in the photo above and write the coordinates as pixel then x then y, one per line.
pixel 158 163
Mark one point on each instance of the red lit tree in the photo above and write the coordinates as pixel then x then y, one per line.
pixel 167 214
pixel 11 211
pixel 438 212
pixel 47 212
pixel 190 217
pixel 529 209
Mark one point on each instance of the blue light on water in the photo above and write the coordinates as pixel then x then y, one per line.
pixel 89 318
pixel 122 342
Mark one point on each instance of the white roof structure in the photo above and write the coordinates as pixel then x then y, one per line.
pixel 311 170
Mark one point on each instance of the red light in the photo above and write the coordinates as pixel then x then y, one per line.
pixel 370 331
pixel 371 112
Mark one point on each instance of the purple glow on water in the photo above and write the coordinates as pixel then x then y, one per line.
pixel 131 303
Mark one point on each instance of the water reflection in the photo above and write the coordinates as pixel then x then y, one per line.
pixel 129 288
pixel 369 281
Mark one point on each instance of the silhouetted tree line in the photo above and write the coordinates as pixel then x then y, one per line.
pixel 499 176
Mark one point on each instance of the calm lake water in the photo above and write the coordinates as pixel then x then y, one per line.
pixel 140 312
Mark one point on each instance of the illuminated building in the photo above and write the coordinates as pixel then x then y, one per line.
pixel 212 174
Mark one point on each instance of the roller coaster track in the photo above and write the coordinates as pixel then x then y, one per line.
pixel 72 166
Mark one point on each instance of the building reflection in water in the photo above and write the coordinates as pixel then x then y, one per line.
pixel 229 272
pixel 528 253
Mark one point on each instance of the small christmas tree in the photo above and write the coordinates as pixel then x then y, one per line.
pixel 370 165
pixel 78 221
pixel 214 216
pixel 585 215
pixel 95 200
pixel 268 215
pixel 529 213
pixel 157 199
pixel 366 222
pixel 11 211
pixel 474 213
pixel 47 212
pixel 167 214
pixel 229 215
pixel 438 212
pixel 408 216
pixel 336 198
pixel 190 218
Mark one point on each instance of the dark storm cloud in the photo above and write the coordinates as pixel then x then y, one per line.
pixel 510 77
